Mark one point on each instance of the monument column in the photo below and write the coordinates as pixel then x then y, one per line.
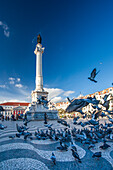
pixel 39 77
pixel 39 105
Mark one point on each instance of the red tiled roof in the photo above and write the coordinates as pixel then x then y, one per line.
pixel 14 104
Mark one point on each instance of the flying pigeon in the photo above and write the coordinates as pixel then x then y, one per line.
pixel 93 75
pixel 77 104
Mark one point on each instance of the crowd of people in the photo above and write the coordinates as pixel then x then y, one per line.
pixel 13 117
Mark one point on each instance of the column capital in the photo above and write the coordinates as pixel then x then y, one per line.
pixel 39 48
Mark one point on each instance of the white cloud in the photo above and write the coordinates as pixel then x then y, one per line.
pixel 11 78
pixel 19 85
pixel 53 92
pixel 18 79
pixel 56 94
pixel 12 100
pixel 3 86
pixel 28 97
pixel 16 100
pixel 5 28
pixel 21 92
pixel 11 82
pixel 57 99
pixel 67 93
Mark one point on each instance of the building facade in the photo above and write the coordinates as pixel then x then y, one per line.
pixel 13 108
pixel 99 96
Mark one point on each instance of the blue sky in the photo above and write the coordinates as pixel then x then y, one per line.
pixel 77 36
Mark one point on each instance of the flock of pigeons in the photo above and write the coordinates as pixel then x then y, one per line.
pixel 92 130
pixel 67 137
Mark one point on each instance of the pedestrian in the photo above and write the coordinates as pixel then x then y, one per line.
pixel 45 118
pixel 8 118
pixel 25 117
pixel 12 117
pixel 3 118
pixel 17 117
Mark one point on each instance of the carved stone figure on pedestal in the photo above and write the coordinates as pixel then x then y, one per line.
pixel 39 39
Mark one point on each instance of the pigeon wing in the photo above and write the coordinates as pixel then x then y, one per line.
pixel 93 73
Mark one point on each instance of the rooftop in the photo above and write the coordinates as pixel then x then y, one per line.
pixel 14 104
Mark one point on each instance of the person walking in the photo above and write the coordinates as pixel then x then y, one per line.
pixel 45 118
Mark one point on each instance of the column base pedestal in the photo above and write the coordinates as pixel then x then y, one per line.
pixel 40 115
pixel 37 111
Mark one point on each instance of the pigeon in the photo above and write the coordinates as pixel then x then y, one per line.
pixel 1 126
pixel 12 137
pixel 105 97
pixel 76 118
pixel 38 137
pixel 106 104
pixel 91 146
pixel 93 122
pixel 75 155
pixel 110 119
pixel 26 135
pixel 73 146
pixel 62 148
pixel 80 111
pixel 110 112
pixel 97 154
pixel 84 116
pixel 69 100
pixel 76 105
pixel 106 101
pixel 93 75
pixel 102 114
pixel 26 123
pixel 96 114
pixel 18 135
pixel 104 146
pixel 53 158
pixel 48 125
pixel 65 123
pixel 19 129
pixel 59 120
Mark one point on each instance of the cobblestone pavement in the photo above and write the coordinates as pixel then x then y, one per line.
pixel 20 154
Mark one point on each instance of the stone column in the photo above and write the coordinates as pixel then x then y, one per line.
pixel 39 77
